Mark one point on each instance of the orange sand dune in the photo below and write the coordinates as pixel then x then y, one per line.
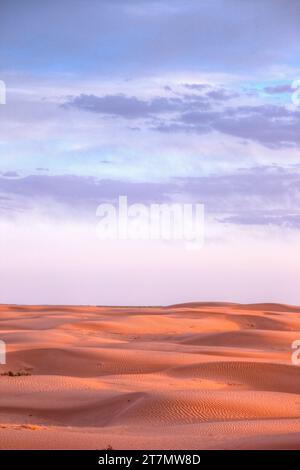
pixel 197 375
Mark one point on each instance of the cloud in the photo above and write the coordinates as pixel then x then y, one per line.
pixel 196 86
pixel 132 107
pixel 73 196
pixel 269 125
pixel 119 105
pixel 282 219
pixel 10 174
pixel 273 126
pixel 221 95
pixel 279 89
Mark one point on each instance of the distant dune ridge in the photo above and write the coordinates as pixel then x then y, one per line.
pixel 188 376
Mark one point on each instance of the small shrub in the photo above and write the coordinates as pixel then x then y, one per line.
pixel 19 373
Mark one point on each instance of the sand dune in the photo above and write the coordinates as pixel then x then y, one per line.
pixel 197 375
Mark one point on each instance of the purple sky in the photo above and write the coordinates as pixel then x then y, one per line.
pixel 160 101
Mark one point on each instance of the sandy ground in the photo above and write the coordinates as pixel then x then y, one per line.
pixel 191 376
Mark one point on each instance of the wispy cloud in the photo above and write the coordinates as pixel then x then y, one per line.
pixel 258 196
pixel 279 89
pixel 269 124
pixel 133 107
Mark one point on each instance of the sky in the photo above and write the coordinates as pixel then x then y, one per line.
pixel 183 101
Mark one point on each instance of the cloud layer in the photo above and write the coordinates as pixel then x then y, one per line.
pixel 269 124
pixel 259 196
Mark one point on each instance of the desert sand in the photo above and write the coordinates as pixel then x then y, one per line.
pixel 190 376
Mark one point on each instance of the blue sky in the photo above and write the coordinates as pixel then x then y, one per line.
pixel 158 100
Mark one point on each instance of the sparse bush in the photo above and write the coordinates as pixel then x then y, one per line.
pixel 19 373
pixel 109 447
